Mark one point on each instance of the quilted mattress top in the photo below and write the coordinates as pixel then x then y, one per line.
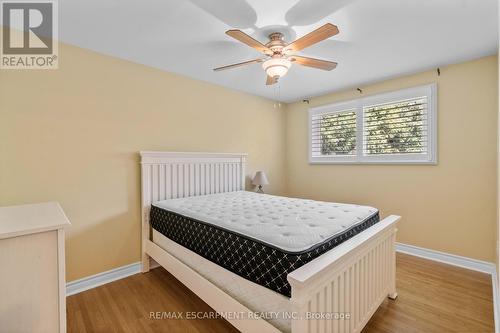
pixel 290 224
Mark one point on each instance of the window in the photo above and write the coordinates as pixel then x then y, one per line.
pixel 396 127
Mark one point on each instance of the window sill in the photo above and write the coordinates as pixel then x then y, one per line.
pixel 375 162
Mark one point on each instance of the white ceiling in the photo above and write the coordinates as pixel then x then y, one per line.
pixel 378 39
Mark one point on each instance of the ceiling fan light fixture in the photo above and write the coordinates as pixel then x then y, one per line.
pixel 280 54
pixel 276 67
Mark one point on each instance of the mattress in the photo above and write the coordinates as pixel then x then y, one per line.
pixel 259 237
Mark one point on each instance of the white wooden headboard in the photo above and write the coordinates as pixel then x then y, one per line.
pixel 167 175
pixel 170 175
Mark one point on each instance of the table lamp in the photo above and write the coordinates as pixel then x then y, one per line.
pixel 260 179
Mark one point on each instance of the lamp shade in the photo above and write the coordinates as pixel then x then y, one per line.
pixel 260 178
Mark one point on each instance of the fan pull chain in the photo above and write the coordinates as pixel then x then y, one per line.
pixel 277 95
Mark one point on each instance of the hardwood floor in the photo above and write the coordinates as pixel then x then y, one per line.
pixel 433 297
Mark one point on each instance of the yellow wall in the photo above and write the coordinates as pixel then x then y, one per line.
pixel 450 207
pixel 497 262
pixel 73 135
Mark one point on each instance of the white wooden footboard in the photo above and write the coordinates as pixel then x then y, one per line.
pixel 340 291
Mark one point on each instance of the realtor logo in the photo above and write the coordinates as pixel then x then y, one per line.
pixel 29 35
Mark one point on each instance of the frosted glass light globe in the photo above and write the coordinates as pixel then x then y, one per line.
pixel 276 67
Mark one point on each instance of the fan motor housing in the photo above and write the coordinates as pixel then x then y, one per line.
pixel 276 43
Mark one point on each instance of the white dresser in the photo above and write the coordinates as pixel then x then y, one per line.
pixel 32 275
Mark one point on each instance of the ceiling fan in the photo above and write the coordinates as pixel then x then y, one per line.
pixel 279 54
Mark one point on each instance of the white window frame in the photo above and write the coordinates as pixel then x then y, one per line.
pixel 429 90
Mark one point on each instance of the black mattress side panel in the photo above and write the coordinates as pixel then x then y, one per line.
pixel 253 260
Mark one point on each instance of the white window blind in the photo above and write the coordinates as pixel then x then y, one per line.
pixel 334 134
pixel 396 127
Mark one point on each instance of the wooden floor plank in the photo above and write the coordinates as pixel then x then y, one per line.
pixel 433 297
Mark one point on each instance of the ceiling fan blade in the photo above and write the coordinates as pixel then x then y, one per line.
pixel 255 61
pixel 271 80
pixel 312 62
pixel 322 33
pixel 248 40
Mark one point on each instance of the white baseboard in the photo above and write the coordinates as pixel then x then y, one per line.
pixel 447 258
pixel 89 282
pixel 496 300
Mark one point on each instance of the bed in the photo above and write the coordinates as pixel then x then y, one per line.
pixel 266 263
